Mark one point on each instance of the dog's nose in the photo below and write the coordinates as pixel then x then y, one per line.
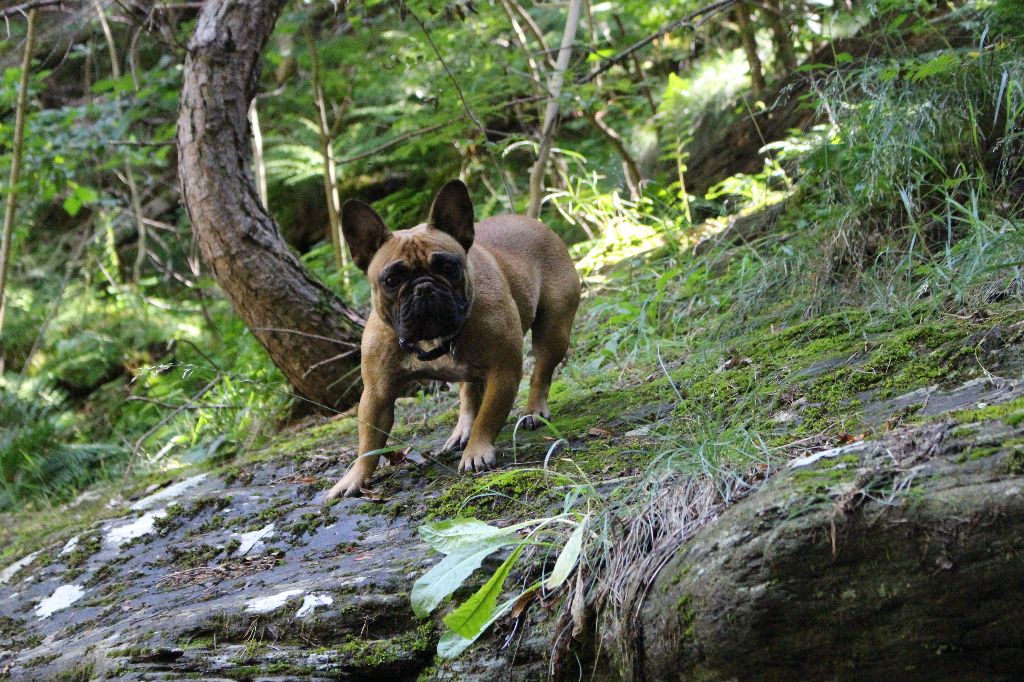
pixel 423 289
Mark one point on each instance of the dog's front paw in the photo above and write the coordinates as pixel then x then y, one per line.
pixel 458 439
pixel 477 458
pixel 534 420
pixel 350 485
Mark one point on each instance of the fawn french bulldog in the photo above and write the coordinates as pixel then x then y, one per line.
pixel 451 300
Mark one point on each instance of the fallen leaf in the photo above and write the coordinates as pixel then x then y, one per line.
pixel 371 496
pixel 599 433
pixel 733 362
pixel 847 438
pixel 414 456
pixel 524 600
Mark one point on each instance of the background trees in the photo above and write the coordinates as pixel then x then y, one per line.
pixel 119 345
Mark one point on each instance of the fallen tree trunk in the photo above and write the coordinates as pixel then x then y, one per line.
pixel 898 557
pixel 310 334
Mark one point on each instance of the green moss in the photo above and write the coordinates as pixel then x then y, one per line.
pixel 322 436
pixel 686 614
pixel 106 570
pixel 375 653
pixel 192 557
pixel 1012 411
pixel 1015 460
pixel 196 643
pixel 497 494
pixel 826 475
pixel 108 596
pixel 87 545
pixel 41 660
pixel 173 516
pixel 976 453
pixel 79 673
pixel 215 502
pixel 308 523
pixel 278 508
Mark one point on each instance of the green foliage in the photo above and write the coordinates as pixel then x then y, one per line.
pixel 928 152
pixel 466 542
pixel 36 461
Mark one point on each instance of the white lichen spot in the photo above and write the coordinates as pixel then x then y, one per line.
pixel 144 525
pixel 825 454
pixel 168 493
pixel 12 570
pixel 311 601
pixel 253 539
pixel 271 603
pixel 69 546
pixel 63 597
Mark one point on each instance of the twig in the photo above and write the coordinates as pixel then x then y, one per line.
pixel 199 350
pixel 335 358
pixel 465 105
pixel 428 129
pixel 160 424
pixel 41 334
pixel 551 114
pixel 133 191
pixel 534 68
pixel 15 176
pixel 396 140
pixel 30 7
pixel 535 30
pixel 687 21
pixel 327 158
pixel 312 336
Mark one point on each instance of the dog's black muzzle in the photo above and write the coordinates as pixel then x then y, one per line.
pixel 427 310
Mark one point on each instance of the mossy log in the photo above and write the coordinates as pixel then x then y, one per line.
pixel 899 558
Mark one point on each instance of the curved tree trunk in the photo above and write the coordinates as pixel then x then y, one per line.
pixel 311 335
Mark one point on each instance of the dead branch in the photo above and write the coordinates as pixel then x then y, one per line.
pixel 15 176
pixel 691 20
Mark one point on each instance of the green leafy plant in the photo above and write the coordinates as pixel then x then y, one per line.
pixel 466 543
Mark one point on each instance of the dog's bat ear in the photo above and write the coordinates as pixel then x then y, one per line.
pixel 364 231
pixel 452 212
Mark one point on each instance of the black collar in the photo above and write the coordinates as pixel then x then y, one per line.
pixel 444 348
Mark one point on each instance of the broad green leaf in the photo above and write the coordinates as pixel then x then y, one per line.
pixel 477 612
pixel 448 575
pixel 449 536
pixel 568 557
pixel 72 205
pixel 86 195
pixel 452 643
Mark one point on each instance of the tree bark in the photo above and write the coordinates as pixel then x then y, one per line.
pixel 310 334
pixel 898 557
pixel 749 38
pixel 551 114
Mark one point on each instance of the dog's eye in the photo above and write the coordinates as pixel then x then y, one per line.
pixel 392 281
pixel 451 270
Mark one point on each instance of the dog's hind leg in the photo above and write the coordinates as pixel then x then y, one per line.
pixel 550 343
pixel 470 395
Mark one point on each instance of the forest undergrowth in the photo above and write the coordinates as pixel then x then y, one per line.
pixel 877 252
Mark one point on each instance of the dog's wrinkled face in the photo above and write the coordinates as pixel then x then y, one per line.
pixel 418 277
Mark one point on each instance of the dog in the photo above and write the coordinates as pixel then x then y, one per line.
pixel 451 300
